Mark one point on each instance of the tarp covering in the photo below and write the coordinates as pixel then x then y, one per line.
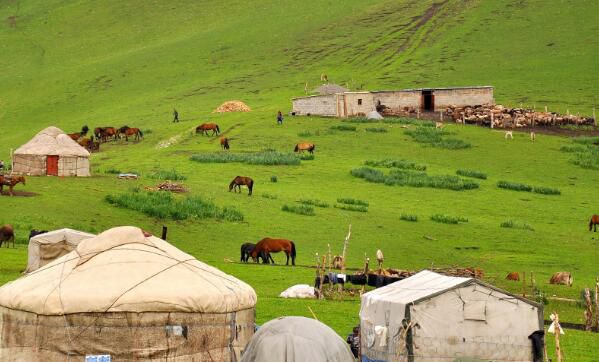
pixel 49 246
pixel 433 317
pixel 130 295
pixel 296 339
pixel 374 115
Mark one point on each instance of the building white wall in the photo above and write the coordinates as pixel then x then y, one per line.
pixel 462 97
pixel 324 105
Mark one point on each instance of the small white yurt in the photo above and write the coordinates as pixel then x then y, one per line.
pixel 51 152
pixel 44 248
pixel 296 339
pixel 436 318
pixel 129 296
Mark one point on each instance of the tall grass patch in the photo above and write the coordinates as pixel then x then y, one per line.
pixel 408 217
pixel 448 219
pixel 357 208
pixel 343 127
pixel 472 173
pixel 414 179
pixel 299 209
pixel 171 175
pixel 436 138
pixel 376 129
pixel 163 205
pixel 350 201
pixel 511 224
pixel 313 202
pixel 515 186
pixel 403 164
pixel 269 158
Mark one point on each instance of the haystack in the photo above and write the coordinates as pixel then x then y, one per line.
pixel 232 106
pixel 51 152
pixel 130 295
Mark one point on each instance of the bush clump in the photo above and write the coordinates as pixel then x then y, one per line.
pixel 305 134
pixel 409 217
pixel 299 209
pixel 546 190
pixel 274 179
pixel 343 127
pixel 403 164
pixel 171 175
pixel 447 219
pixel 377 130
pixel 313 202
pixel 164 205
pixel 528 188
pixel 414 179
pixel 358 208
pixel 435 138
pixel 270 158
pixel 511 224
pixel 472 173
pixel 350 201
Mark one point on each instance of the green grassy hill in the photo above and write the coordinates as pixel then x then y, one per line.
pixel 132 62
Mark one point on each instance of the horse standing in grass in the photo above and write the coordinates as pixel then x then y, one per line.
pixel 205 127
pixel 10 181
pixel 301 147
pixel 128 131
pixel 594 222
pixel 7 234
pixel 240 181
pixel 246 251
pixel 105 133
pixel 224 143
pixel 269 245
pixel 77 135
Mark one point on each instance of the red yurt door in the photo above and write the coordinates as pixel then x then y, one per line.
pixel 52 165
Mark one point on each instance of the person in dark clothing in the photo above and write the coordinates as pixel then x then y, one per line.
pixel 279 118
pixel 176 116
pixel 538 342
pixel 354 341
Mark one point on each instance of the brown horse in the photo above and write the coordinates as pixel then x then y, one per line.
pixel 224 143
pixel 7 234
pixel 105 133
pixel 242 180
pixel 128 131
pixel 10 181
pixel 594 222
pixel 268 245
pixel 205 127
pixel 301 147
pixel 77 135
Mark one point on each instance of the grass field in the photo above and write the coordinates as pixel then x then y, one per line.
pixel 69 64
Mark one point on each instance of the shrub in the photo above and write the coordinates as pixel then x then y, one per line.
pixel 572 149
pixel 446 219
pixel 171 175
pixel 377 130
pixel 403 164
pixel 163 205
pixel 414 179
pixel 299 209
pixel 435 138
pixel 584 140
pixel 514 186
pixel 113 171
pixel 274 179
pixel 587 158
pixel 306 156
pixel 357 208
pixel 269 196
pixel 408 217
pixel 313 202
pixel 269 157
pixel 516 225
pixel 472 173
pixel 349 201
pixel 546 190
pixel 343 127
pixel 369 174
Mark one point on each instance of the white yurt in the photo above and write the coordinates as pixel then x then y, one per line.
pixel 46 247
pixel 128 296
pixel 437 318
pixel 296 339
pixel 51 152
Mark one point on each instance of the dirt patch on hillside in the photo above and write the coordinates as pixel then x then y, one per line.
pixel 12 21
pixel 19 193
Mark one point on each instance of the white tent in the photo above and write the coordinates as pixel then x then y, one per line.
pixel 374 115
pixel 51 152
pixel 130 295
pixel 49 246
pixel 296 339
pixel 436 318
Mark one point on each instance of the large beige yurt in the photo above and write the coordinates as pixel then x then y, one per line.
pixel 127 296
pixel 46 247
pixel 51 152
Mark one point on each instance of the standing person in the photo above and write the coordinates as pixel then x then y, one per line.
pixel 176 115
pixel 279 118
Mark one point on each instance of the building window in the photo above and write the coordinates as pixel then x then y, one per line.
pixel 359 101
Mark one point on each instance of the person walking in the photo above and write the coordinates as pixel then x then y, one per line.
pixel 280 118
pixel 176 116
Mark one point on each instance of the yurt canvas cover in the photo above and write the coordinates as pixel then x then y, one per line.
pixel 51 152
pixel 129 295
pixel 436 318
pixel 49 246
pixel 296 339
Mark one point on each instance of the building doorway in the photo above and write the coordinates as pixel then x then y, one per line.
pixel 427 103
pixel 52 165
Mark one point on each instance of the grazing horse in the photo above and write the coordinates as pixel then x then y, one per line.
pixel 104 133
pixel 7 234
pixel 246 250
pixel 10 181
pixel 128 131
pixel 594 222
pixel 77 135
pixel 224 143
pixel 301 147
pixel 205 127
pixel 268 245
pixel 242 180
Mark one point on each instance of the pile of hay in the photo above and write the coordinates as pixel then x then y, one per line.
pixel 233 106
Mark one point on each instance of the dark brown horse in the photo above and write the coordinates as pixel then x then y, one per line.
pixel 205 127
pixel 268 246
pixel 128 131
pixel 240 181
pixel 301 147
pixel 10 181
pixel 246 251
pixel 77 135
pixel 106 133
pixel 594 222
pixel 224 143
pixel 89 144
pixel 7 234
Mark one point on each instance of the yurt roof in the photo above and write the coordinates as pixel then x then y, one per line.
pixel 125 269
pixel 295 339
pixel 71 236
pixel 52 141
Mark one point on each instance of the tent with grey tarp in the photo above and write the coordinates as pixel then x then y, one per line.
pixel 296 339
pixel 374 115
pixel 436 318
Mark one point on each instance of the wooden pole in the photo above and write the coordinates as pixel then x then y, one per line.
pixel 588 313
pixel 594 118
pixel 558 331
pixel 597 305
pixel 345 243
pixel 441 115
pixel 164 232
pixel 365 271
pixel 545 109
pixel 524 284
pixel 329 264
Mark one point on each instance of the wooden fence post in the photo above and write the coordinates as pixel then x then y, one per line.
pixel 441 115
pixel 558 331
pixel 588 313
pixel 597 305
pixel 594 117
pixel 164 232
pixel 345 249
pixel 524 284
